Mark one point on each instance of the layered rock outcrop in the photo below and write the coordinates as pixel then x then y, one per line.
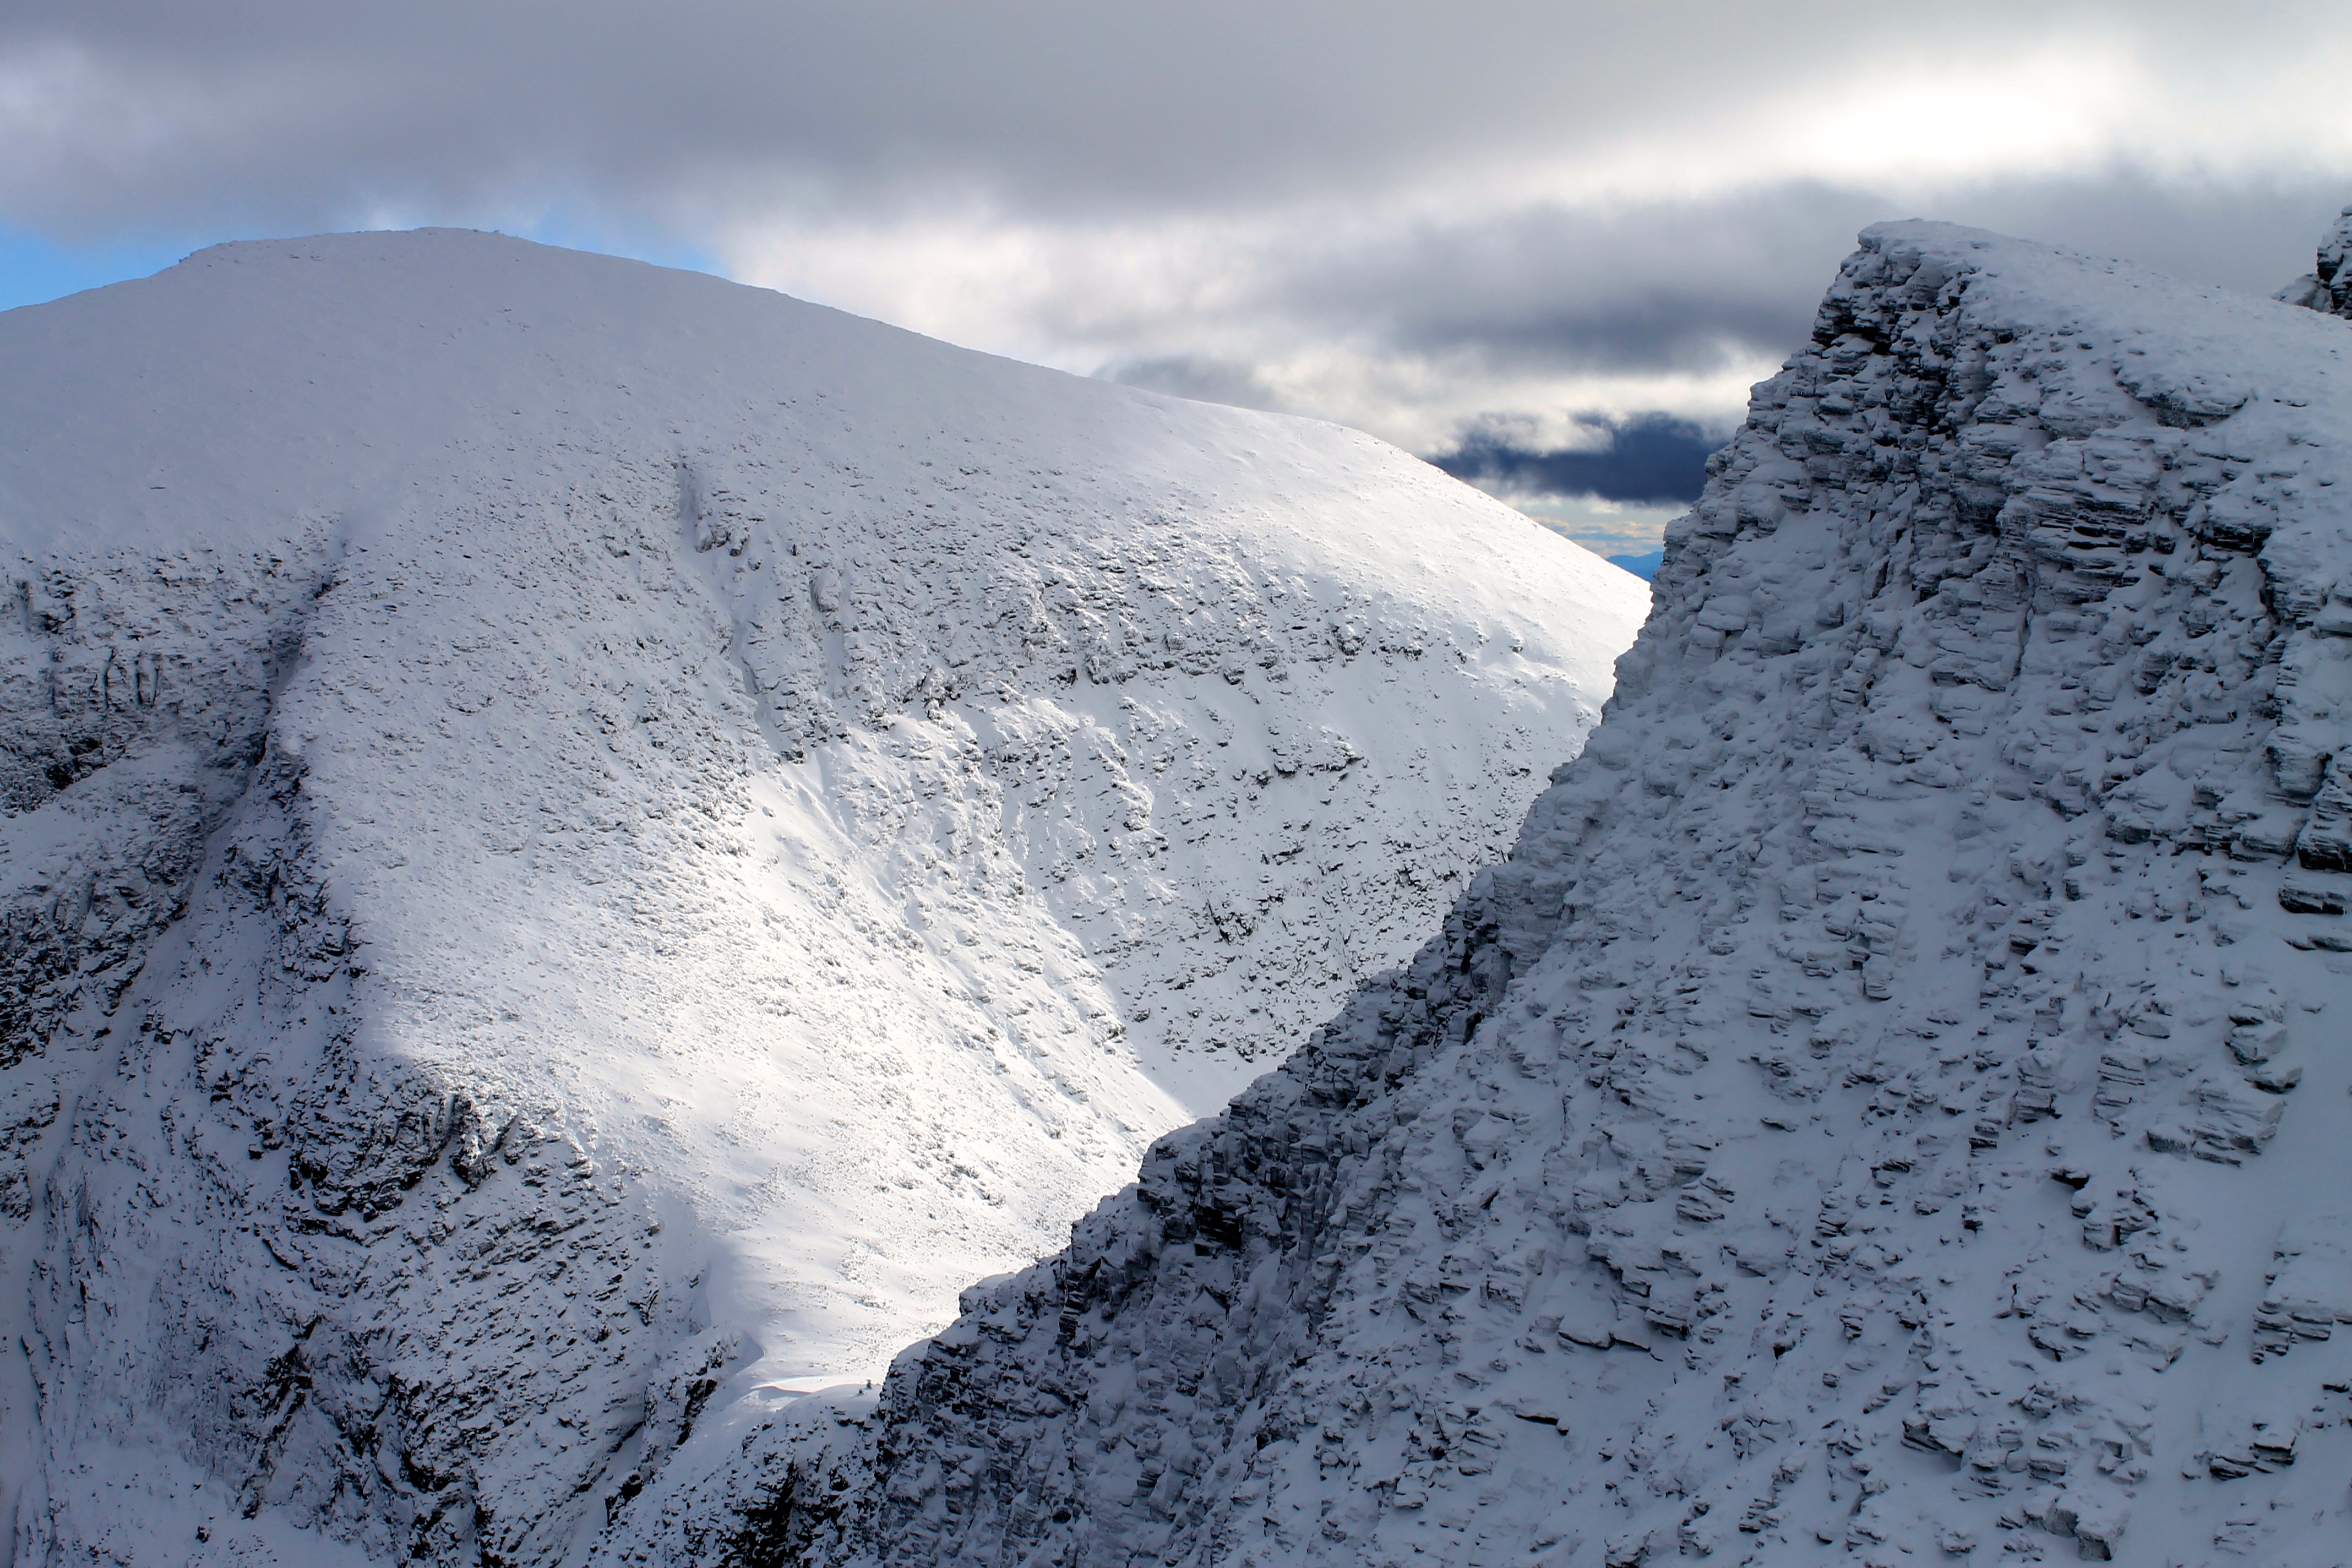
pixel 2326 287
pixel 1892 1103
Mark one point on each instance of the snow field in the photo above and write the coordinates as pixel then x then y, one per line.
pixel 587 845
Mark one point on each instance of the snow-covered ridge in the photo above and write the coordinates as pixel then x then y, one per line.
pixel 579 838
pixel 1892 1105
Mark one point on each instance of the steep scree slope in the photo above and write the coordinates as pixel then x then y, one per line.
pixel 579 839
pixel 1891 1105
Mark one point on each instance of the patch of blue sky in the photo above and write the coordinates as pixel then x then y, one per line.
pixel 1605 528
pixel 36 269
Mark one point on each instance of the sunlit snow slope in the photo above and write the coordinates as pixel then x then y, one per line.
pixel 580 837
pixel 1891 1107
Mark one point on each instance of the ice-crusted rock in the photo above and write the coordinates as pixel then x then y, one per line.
pixel 2326 287
pixel 580 840
pixel 1892 1104
pixel 133 703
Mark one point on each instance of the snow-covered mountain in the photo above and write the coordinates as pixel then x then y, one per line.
pixel 1891 1107
pixel 583 840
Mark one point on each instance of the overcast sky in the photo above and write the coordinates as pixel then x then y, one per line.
pixel 1551 243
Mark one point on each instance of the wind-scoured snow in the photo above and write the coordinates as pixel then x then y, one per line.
pixel 1890 1108
pixel 581 840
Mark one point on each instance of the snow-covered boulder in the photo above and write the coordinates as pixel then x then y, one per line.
pixel 1891 1107
pixel 580 839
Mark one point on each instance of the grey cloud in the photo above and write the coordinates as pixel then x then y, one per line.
pixel 1697 286
pixel 2252 234
pixel 1200 378
pixel 1674 288
pixel 289 106
pixel 1660 287
pixel 291 111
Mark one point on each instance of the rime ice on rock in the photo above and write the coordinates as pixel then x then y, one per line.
pixel 579 840
pixel 1891 1107
pixel 2326 287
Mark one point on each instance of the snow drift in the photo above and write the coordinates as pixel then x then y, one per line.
pixel 1890 1106
pixel 579 839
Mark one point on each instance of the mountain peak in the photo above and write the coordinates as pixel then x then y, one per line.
pixel 585 842
pixel 1886 1104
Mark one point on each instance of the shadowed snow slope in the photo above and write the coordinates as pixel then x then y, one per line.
pixel 582 837
pixel 1892 1103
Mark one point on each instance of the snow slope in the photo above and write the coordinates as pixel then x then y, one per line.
pixel 1891 1107
pixel 581 839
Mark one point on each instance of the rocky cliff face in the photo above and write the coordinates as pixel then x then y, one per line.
pixel 581 841
pixel 1892 1103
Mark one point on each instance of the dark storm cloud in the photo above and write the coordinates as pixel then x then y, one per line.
pixel 1650 459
